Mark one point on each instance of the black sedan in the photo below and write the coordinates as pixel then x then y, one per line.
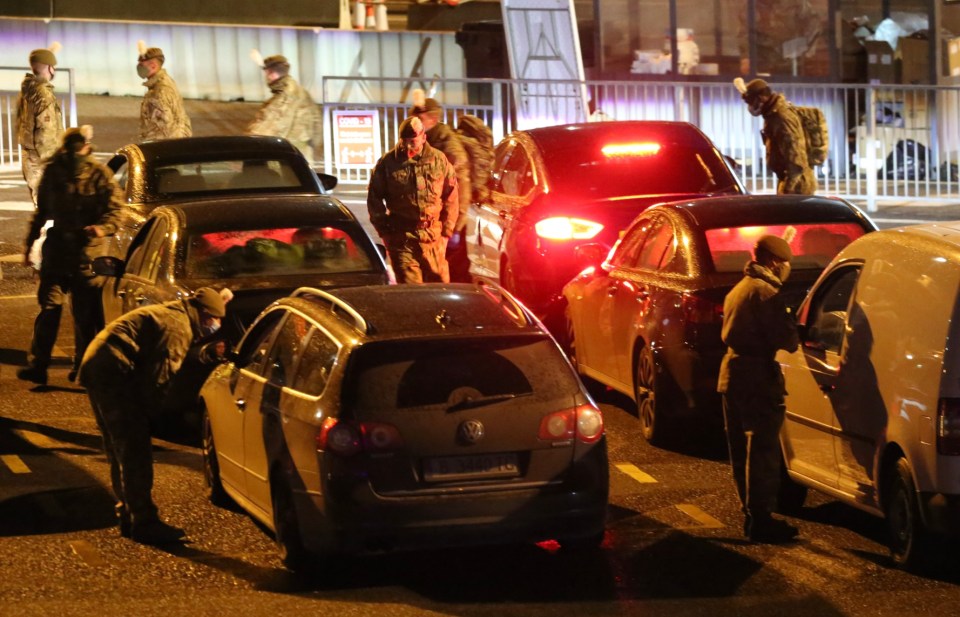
pixel 261 247
pixel 646 320
pixel 154 173
pixel 555 188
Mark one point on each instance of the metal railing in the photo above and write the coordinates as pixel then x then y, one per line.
pixel 886 142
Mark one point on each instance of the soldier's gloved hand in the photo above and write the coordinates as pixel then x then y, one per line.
pixel 94 231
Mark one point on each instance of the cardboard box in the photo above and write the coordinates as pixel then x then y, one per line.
pixel 881 63
pixel 914 55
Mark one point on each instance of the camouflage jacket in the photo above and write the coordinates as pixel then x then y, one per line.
pixel 446 140
pixel 290 113
pixel 39 119
pixel 756 324
pixel 74 193
pixel 414 195
pixel 162 115
pixel 784 138
pixel 145 347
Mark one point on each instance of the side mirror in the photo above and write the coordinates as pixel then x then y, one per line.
pixel 106 265
pixel 591 254
pixel 327 181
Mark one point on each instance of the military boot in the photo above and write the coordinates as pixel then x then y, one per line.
pixel 34 374
pixel 155 531
pixel 765 529
pixel 123 518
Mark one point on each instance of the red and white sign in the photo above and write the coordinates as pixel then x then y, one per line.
pixel 356 138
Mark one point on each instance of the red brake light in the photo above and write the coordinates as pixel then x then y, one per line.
pixel 585 422
pixel 699 310
pixel 948 426
pixel 566 228
pixel 345 439
pixel 643 148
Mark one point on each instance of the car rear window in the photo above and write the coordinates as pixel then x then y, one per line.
pixel 645 167
pixel 289 250
pixel 224 176
pixel 813 244
pixel 398 375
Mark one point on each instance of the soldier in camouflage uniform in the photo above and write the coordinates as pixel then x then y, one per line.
pixel 756 324
pixel 39 119
pixel 784 139
pixel 447 141
pixel 84 202
pixel 162 115
pixel 290 113
pixel 413 203
pixel 126 370
pixel 477 140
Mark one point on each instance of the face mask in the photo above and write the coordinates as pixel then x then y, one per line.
pixel 755 107
pixel 143 71
pixel 782 271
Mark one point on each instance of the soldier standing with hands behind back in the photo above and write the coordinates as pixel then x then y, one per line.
pixel 162 115
pixel 84 202
pixel 756 324
pixel 39 119
pixel 414 204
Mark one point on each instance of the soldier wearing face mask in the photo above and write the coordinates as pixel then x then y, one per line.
pixel 162 115
pixel 756 324
pixel 783 138
pixel 126 370
pixel 290 112
pixel 39 119
pixel 413 202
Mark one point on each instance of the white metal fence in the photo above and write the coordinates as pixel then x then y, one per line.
pixel 886 142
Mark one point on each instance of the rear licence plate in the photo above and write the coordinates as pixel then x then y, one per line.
pixel 473 467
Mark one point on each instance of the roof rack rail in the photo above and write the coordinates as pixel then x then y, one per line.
pixel 358 321
pixel 488 286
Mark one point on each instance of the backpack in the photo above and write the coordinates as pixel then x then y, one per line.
pixel 477 140
pixel 814 125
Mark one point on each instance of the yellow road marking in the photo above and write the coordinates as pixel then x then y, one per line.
pixel 635 473
pixel 15 463
pixel 699 515
pixel 85 551
pixel 38 439
pixel 18 297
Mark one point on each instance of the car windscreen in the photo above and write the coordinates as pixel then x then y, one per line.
pixel 619 169
pixel 237 253
pixel 813 244
pixel 458 373
pixel 225 176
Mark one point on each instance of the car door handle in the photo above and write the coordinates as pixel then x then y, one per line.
pixel 241 404
pixel 140 299
pixel 642 295
pixel 122 293
pixel 612 289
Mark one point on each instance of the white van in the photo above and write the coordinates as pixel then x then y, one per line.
pixel 873 404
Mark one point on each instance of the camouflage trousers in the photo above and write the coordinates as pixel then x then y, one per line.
pixel 418 262
pixel 125 428
pixel 753 420
pixel 798 184
pixel 32 166
pixel 85 305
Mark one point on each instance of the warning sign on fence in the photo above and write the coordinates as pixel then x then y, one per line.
pixel 356 138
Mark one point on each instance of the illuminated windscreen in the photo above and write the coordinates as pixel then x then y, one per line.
pixel 624 168
pixel 265 252
pixel 813 244
pixel 224 176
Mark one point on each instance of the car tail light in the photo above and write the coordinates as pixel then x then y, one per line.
pixel 948 426
pixel 641 148
pixel 585 422
pixel 347 439
pixel 700 310
pixel 566 228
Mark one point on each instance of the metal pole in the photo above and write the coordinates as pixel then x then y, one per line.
pixel 871 146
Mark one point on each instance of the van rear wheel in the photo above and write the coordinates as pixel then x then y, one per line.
pixel 908 538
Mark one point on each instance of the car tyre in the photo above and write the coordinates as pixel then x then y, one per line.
pixel 790 496
pixel 293 555
pixel 908 537
pixel 653 425
pixel 211 466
